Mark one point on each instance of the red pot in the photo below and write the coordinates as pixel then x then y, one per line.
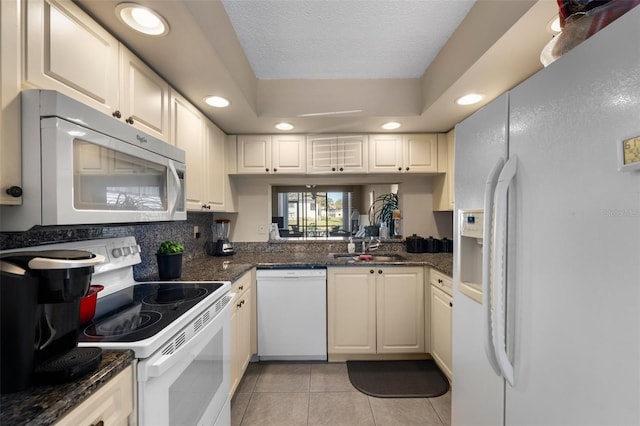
pixel 88 304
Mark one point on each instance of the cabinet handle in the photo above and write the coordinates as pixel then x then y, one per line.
pixel 439 281
pixel 371 271
pixel 100 423
pixel 241 287
pixel 239 305
pixel 399 169
pixel 129 120
pixel 451 304
pixel 266 170
pixel 341 169
pixel 333 169
pixel 206 206
pixel 407 169
pixel 14 191
pixel 275 170
pixel 117 114
pixel 379 271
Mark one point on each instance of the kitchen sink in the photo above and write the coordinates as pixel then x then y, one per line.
pixel 369 257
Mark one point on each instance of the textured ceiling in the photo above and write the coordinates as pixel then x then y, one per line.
pixel 346 39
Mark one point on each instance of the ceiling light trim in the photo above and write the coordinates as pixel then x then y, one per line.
pixel 142 19
pixel 217 101
pixel 284 126
pixel 469 99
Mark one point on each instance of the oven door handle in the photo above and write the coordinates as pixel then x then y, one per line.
pixel 188 351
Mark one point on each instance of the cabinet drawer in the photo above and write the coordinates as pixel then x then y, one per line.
pixel 241 285
pixel 441 281
pixel 110 404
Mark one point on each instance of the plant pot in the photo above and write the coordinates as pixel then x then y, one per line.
pixel 169 265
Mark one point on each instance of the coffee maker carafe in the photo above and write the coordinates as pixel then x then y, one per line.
pixel 223 246
pixel 40 294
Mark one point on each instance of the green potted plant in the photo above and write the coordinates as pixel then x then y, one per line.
pixel 169 257
pixel 381 211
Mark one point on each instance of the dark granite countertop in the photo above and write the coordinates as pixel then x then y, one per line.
pixel 46 404
pixel 229 268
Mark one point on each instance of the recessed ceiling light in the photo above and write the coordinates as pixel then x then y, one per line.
pixel 470 99
pixel 217 101
pixel 391 125
pixel 142 19
pixel 554 25
pixel 284 126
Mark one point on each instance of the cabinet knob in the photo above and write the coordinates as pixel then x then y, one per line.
pixel 451 304
pixel 266 170
pixel 399 169
pixel 333 169
pixel 14 191
pixel 379 271
pixel 371 271
pixel 275 170
pixel 100 423
pixel 117 114
pixel 241 287
pixel 129 120
pixel 341 169
pixel 407 169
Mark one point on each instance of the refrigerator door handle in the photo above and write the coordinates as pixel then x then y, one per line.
pixel 487 256
pixel 499 272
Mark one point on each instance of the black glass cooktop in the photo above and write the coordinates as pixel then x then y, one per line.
pixel 141 311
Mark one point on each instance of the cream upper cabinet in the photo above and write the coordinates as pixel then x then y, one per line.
pixel 243 327
pixel 443 184
pixel 144 96
pixel 188 134
pixel 351 310
pixel 403 153
pixel 375 310
pixel 10 147
pixel 260 154
pixel 217 180
pixel 337 154
pixel 441 310
pixel 400 309
pixel 71 53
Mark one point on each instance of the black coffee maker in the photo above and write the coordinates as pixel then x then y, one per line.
pixel 40 294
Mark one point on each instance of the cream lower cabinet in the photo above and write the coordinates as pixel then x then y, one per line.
pixel 375 310
pixel 112 404
pixel 244 341
pixel 441 310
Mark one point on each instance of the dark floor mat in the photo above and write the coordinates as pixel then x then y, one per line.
pixel 398 379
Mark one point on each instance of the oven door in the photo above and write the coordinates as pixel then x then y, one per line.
pixel 188 383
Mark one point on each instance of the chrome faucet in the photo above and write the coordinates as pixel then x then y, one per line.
pixel 374 244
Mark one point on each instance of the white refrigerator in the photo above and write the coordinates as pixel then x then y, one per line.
pixel 546 311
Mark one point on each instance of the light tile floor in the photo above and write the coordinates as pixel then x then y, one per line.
pixel 321 394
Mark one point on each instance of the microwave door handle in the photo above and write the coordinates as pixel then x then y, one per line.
pixel 173 204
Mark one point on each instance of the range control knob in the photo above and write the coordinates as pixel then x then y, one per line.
pixel 116 252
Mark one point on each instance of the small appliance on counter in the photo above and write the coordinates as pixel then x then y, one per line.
pixel 40 297
pixel 418 244
pixel 223 245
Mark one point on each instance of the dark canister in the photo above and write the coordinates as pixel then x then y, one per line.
pixel 414 244
pixel 431 245
pixel 447 245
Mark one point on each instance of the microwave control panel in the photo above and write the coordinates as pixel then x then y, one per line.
pixel 471 223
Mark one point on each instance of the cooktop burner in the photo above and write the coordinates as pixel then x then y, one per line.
pixel 141 311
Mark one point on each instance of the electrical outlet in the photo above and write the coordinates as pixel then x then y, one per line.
pixel 196 232
pixel 262 229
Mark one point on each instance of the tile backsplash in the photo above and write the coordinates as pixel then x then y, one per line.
pixel 148 236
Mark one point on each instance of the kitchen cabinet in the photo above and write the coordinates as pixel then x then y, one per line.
pixel 282 154
pixel 217 179
pixel 188 134
pixel 112 404
pixel 337 154
pixel 375 310
pixel 10 58
pixel 243 327
pixel 403 153
pixel 443 183
pixel 441 309
pixel 69 52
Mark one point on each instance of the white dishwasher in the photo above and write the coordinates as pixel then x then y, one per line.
pixel 292 314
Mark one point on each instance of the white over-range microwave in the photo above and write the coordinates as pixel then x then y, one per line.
pixel 80 166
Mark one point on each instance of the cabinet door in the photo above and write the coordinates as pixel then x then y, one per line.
pixel 400 310
pixel 288 154
pixel 70 53
pixel 144 96
pixel 254 154
pixel 10 159
pixel 385 153
pixel 215 170
pixel 236 374
pixel 352 154
pixel 244 329
pixel 351 311
pixel 188 134
pixel 441 305
pixel 322 154
pixel 443 183
pixel 420 153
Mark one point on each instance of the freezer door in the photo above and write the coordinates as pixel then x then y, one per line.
pixel 574 237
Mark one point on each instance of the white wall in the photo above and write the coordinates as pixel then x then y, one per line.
pixel 253 203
